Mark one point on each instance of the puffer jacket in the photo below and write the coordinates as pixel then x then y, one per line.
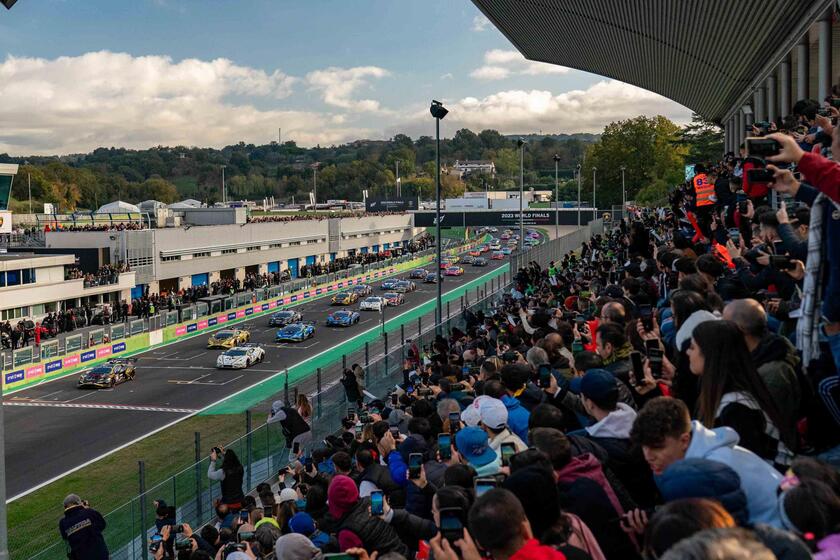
pixel 777 363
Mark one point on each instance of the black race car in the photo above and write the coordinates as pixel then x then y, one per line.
pixel 283 318
pixel 109 374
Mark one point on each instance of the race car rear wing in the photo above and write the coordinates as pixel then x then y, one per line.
pixel 250 345
pixel 131 361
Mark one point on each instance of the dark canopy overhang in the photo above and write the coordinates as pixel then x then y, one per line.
pixel 705 54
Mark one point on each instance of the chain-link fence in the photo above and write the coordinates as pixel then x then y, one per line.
pixel 261 447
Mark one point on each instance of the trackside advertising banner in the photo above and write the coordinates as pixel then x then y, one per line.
pixel 33 373
pixel 89 357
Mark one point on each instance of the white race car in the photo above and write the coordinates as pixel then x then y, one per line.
pixel 372 303
pixel 241 357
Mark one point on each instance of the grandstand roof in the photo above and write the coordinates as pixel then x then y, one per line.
pixel 705 54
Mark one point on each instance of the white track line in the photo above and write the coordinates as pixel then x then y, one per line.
pixel 102 406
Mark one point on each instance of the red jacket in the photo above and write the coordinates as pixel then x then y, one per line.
pixel 822 173
pixel 533 550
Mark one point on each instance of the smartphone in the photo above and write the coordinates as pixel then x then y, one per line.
pixel 509 357
pixel 395 400
pixel 454 422
pixel 646 316
pixel 351 413
pixel 482 485
pixel 782 262
pixel 268 511
pixel 415 461
pixel 295 447
pixel 577 346
pixel 395 432
pixel 445 446
pixel 376 503
pixel 742 207
pixel 508 450
pixel 638 367
pixel 339 556
pixel 760 175
pixel 307 462
pixel 452 524
pixel 358 429
pixel 243 515
pixel 544 371
pixel 243 536
pixel 654 354
pixel 762 147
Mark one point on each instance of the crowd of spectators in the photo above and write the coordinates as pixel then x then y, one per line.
pixel 115 226
pixel 103 276
pixel 646 396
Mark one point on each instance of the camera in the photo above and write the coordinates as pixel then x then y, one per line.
pixel 176 529
pixel 457 387
pixel 183 544
pixel 762 147
pixel 365 419
pixel 232 547
pixel 217 450
pixel 424 392
pixel 782 262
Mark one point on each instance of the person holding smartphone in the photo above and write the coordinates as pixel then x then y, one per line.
pixel 493 417
pixel 294 426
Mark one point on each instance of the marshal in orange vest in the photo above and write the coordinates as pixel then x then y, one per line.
pixel 703 190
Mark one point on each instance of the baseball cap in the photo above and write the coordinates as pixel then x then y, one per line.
pixel 474 445
pixel 288 495
pixel 596 384
pixel 471 415
pixel 302 523
pixel 493 413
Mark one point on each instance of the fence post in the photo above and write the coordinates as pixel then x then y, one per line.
pixel 477 293
pixel 248 447
pixel 419 328
pixel 402 334
pixel 286 389
pixel 343 362
pixel 447 311
pixel 318 388
pixel 462 304
pixel 367 354
pixel 142 477
pixel 198 476
pixel 385 337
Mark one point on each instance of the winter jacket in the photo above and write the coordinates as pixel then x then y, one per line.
pixel 533 550
pixel 506 436
pixel 518 417
pixel 380 477
pixel 792 243
pixel 740 411
pixel 777 362
pixel 412 528
pixel 291 422
pixel 616 424
pixel 759 480
pixel 531 397
pixel 419 500
pixel 373 533
pixel 831 237
pixel 82 528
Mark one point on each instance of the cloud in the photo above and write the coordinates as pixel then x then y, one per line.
pixel 447 76
pixel 480 23
pixel 521 111
pixel 500 64
pixel 338 85
pixel 76 104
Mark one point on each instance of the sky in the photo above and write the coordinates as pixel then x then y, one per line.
pixel 80 74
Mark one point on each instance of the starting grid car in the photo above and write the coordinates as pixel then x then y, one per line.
pixel 241 357
pixel 283 318
pixel 373 303
pixel 393 298
pixel 108 375
pixel 454 271
pixel 345 298
pixel 296 332
pixel 343 318
pixel 228 338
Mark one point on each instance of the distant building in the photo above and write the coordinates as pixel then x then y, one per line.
pixel 474 167
pixel 530 195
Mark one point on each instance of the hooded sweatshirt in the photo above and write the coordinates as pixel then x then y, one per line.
pixel 533 550
pixel 587 466
pixel 295 546
pixel 518 417
pixel 758 479
pixel 616 424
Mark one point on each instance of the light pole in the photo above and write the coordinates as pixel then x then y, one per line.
pixel 594 207
pixel 438 111
pixel 521 144
pixel 623 193
pixel 315 187
pixel 579 183
pixel 398 179
pixel 556 198
pixel 224 193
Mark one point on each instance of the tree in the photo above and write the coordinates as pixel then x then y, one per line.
pixel 160 189
pixel 703 140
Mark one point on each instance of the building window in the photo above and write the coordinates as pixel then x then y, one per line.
pixel 172 258
pixel 14 313
pixel 135 262
pixel 13 277
pixel 199 255
pixel 228 251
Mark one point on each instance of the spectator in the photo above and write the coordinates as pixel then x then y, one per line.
pixel 82 528
pixel 473 447
pixel 295 428
pixel 229 475
pixel 666 433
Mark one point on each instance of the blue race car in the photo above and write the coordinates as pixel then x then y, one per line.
pixel 342 318
pixel 295 332
pixel 389 284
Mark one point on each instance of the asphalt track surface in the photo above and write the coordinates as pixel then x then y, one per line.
pixel 55 427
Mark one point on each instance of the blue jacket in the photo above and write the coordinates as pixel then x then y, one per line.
pixel 397 467
pixel 759 480
pixel 518 417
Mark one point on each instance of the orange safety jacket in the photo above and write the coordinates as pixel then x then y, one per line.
pixel 703 190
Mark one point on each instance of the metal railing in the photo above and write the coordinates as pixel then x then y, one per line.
pixel 262 448
pixel 555 249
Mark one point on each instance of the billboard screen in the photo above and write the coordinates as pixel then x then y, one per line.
pixel 504 219
pixel 5 191
pixel 394 204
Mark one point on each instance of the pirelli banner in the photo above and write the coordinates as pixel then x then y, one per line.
pixel 565 217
